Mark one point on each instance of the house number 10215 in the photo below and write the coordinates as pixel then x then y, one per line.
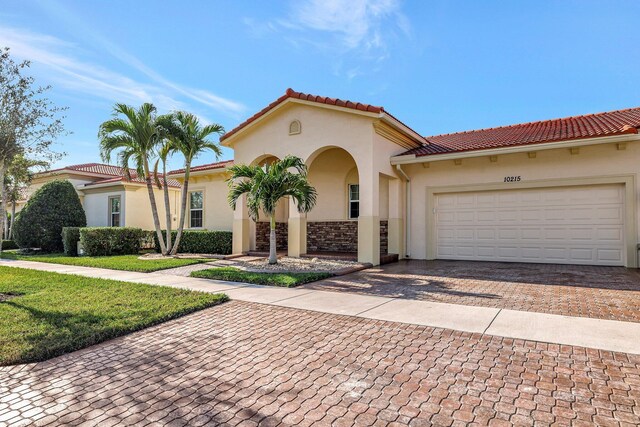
pixel 512 178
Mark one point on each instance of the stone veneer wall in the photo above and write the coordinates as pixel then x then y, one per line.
pixel 262 236
pixel 332 236
pixel 340 236
pixel 384 237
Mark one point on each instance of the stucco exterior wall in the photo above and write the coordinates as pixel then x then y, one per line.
pixel 331 173
pixel 218 215
pixel 39 182
pixel 96 207
pixel 135 205
pixel 557 166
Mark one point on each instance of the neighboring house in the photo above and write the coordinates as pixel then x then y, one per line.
pixel 108 198
pixel 557 191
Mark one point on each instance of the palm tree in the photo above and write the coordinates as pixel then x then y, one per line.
pixel 189 137
pixel 266 185
pixel 164 151
pixel 135 138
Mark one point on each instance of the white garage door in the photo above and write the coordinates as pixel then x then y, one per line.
pixel 567 225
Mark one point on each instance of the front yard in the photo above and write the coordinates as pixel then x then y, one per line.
pixel 116 262
pixel 43 314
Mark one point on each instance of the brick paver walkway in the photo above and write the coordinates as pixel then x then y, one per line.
pixel 246 364
pixel 585 291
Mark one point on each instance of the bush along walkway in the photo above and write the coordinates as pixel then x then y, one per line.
pixel 594 333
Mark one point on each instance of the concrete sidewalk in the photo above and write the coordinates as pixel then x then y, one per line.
pixel 579 331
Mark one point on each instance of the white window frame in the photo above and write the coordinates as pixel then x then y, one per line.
pixel 349 201
pixel 111 213
pixel 201 209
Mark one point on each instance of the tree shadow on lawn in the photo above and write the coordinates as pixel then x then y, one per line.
pixel 72 331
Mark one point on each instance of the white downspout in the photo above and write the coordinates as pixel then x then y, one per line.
pixel 407 214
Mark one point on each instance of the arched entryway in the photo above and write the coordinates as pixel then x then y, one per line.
pixel 332 226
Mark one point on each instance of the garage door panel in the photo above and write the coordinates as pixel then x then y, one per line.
pixel 581 225
pixel 609 255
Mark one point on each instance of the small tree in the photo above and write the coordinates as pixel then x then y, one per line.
pixel 17 180
pixel 266 185
pixel 53 206
pixel 29 122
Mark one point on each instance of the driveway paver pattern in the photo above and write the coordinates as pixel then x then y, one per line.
pixel 250 364
pixel 611 293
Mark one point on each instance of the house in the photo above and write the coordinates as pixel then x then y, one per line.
pixel 556 191
pixel 108 198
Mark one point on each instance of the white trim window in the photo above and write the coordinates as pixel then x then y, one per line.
pixel 115 211
pixel 354 201
pixel 196 209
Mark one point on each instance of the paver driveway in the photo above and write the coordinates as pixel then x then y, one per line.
pixel 586 291
pixel 243 364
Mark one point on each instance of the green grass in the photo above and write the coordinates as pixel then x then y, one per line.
pixel 54 314
pixel 117 262
pixel 233 274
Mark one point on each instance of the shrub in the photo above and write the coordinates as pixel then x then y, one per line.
pixel 104 241
pixel 202 242
pixel 53 206
pixel 70 239
pixel 148 240
pixel 8 244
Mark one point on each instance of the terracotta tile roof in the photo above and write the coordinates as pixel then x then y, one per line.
pixel 208 166
pixel 134 178
pixel 578 127
pixel 290 93
pixel 95 168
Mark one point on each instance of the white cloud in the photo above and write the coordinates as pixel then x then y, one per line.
pixel 357 24
pixel 66 69
pixel 356 36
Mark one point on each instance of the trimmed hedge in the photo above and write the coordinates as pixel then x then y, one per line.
pixel 53 206
pixel 9 244
pixel 201 242
pixel 105 241
pixel 70 239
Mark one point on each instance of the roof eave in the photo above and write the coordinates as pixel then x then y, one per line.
pixel 402 128
pixel 198 173
pixel 47 174
pixel 412 158
pixel 230 139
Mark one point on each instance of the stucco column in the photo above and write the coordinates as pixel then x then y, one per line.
pixel 241 227
pixel 297 231
pixel 369 219
pixel 396 234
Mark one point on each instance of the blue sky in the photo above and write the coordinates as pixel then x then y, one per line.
pixel 440 66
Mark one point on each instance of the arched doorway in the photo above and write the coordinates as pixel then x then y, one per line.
pixel 332 226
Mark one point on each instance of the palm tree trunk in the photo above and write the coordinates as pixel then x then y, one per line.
pixel 167 205
pixel 183 206
pixel 3 204
pixel 154 208
pixel 273 257
pixel 13 217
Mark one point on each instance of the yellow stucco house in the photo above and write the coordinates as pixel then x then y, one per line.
pixel 108 198
pixel 557 191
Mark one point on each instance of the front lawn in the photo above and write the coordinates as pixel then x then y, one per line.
pixel 116 262
pixel 43 314
pixel 233 274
